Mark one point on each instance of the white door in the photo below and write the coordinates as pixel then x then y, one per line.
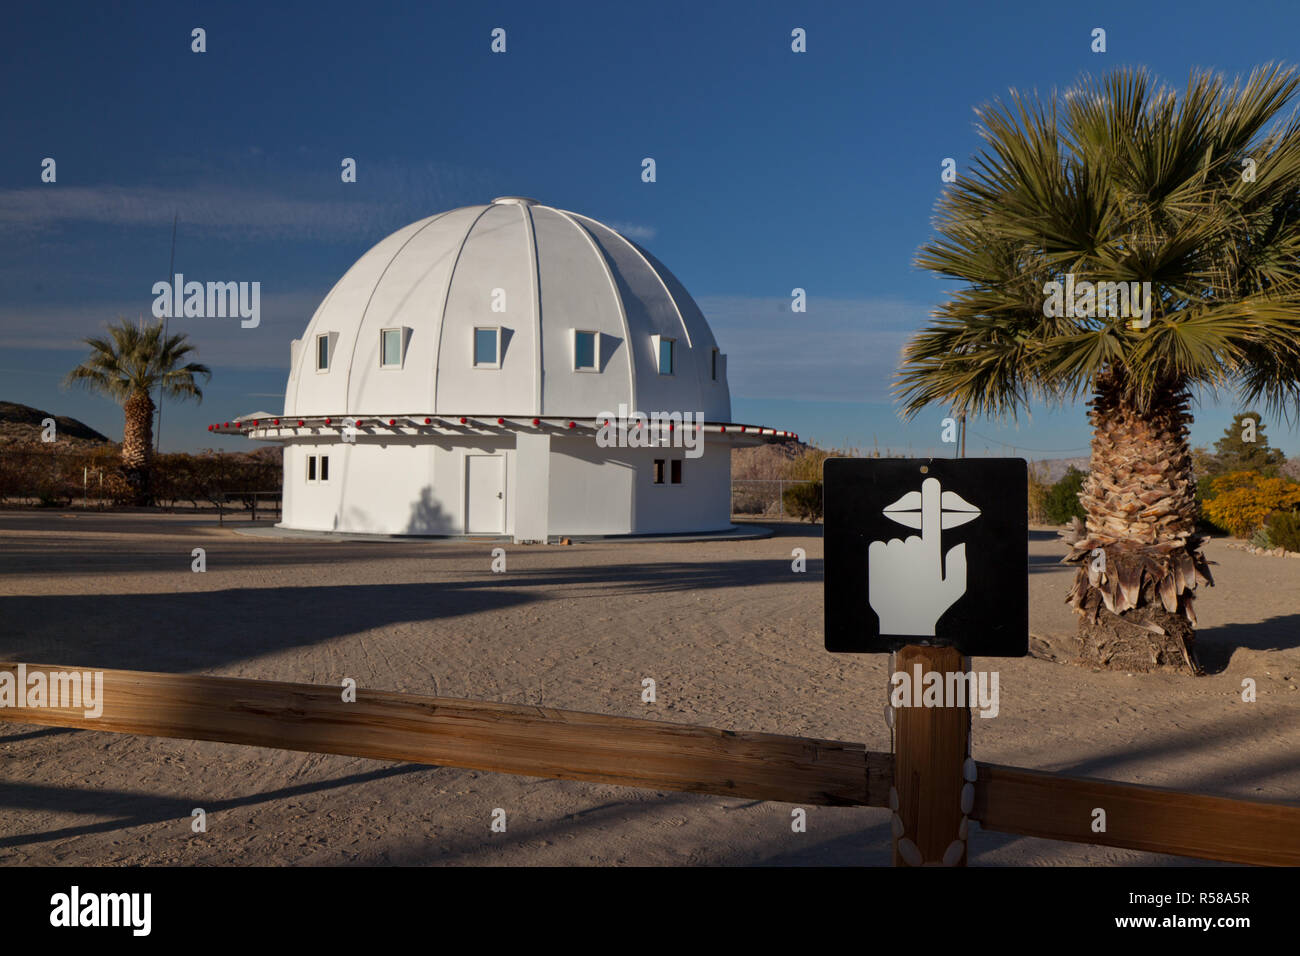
pixel 485 494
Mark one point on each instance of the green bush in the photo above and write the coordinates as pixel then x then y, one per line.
pixel 1063 498
pixel 804 500
pixel 1205 493
pixel 1283 528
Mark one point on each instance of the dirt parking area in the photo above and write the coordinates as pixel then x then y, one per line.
pixel 731 635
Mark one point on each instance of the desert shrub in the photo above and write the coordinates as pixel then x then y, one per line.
pixel 804 500
pixel 1283 530
pixel 40 473
pixel 743 503
pixel 1260 539
pixel 57 476
pixel 1062 501
pixel 808 465
pixel 1242 500
pixel 1038 489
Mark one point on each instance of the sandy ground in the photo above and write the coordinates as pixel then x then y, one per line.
pixel 731 635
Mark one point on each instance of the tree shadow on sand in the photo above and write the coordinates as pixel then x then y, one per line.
pixel 1216 645
pixel 197 631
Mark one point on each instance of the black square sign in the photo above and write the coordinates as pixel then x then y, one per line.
pixel 927 551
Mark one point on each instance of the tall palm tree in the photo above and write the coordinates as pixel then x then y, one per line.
pixel 127 367
pixel 1121 179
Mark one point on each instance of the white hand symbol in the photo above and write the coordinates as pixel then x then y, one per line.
pixel 906 585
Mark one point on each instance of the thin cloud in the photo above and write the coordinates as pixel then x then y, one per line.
pixel 839 350
pixel 222 342
pixel 634 231
pixel 302 208
pixel 245 213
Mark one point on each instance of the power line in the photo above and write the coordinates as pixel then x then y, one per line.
pixel 1006 444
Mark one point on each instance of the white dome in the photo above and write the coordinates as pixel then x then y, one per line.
pixel 538 274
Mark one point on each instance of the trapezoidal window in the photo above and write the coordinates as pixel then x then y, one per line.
pixel 667 350
pixel 487 347
pixel 586 346
pixel 323 353
pixel 390 348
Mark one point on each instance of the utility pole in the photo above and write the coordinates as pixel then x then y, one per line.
pixel 962 446
pixel 171 274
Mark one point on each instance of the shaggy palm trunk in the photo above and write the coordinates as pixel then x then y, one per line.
pixel 137 445
pixel 1139 553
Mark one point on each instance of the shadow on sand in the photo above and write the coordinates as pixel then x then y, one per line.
pixel 182 631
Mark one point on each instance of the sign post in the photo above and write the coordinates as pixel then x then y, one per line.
pixel 931 746
pixel 956 589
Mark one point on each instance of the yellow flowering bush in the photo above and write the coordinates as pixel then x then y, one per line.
pixel 1242 500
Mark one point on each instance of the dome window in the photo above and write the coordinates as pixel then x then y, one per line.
pixel 323 353
pixel 586 347
pixel 487 347
pixel 666 350
pixel 392 347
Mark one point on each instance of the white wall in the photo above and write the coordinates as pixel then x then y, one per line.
pixel 404 487
pixel 591 487
pixel 529 487
pixel 702 502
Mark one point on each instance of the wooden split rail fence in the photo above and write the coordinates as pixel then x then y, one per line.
pixel 568 745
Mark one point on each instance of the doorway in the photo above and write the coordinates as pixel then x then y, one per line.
pixel 485 494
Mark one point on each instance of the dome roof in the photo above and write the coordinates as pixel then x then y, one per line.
pixel 532 278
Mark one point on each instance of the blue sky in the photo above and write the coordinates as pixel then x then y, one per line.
pixel 775 170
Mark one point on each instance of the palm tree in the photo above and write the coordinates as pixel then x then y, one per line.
pixel 127 367
pixel 1121 179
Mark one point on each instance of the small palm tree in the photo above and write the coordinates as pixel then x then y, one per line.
pixel 1123 180
pixel 127 367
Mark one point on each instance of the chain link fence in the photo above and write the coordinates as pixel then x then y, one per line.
pixel 764 497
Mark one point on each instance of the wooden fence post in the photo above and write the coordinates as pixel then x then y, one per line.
pixel 930 752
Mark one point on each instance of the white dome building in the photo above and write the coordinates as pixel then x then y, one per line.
pixel 458 378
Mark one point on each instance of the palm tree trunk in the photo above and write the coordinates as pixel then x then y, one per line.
pixel 137 445
pixel 1139 554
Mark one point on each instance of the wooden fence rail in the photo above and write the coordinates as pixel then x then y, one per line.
pixel 479 735
pixel 569 745
pixel 1035 803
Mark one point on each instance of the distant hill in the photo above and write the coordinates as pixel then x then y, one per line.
pixel 1052 470
pixel 770 461
pixel 764 461
pixel 21 424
